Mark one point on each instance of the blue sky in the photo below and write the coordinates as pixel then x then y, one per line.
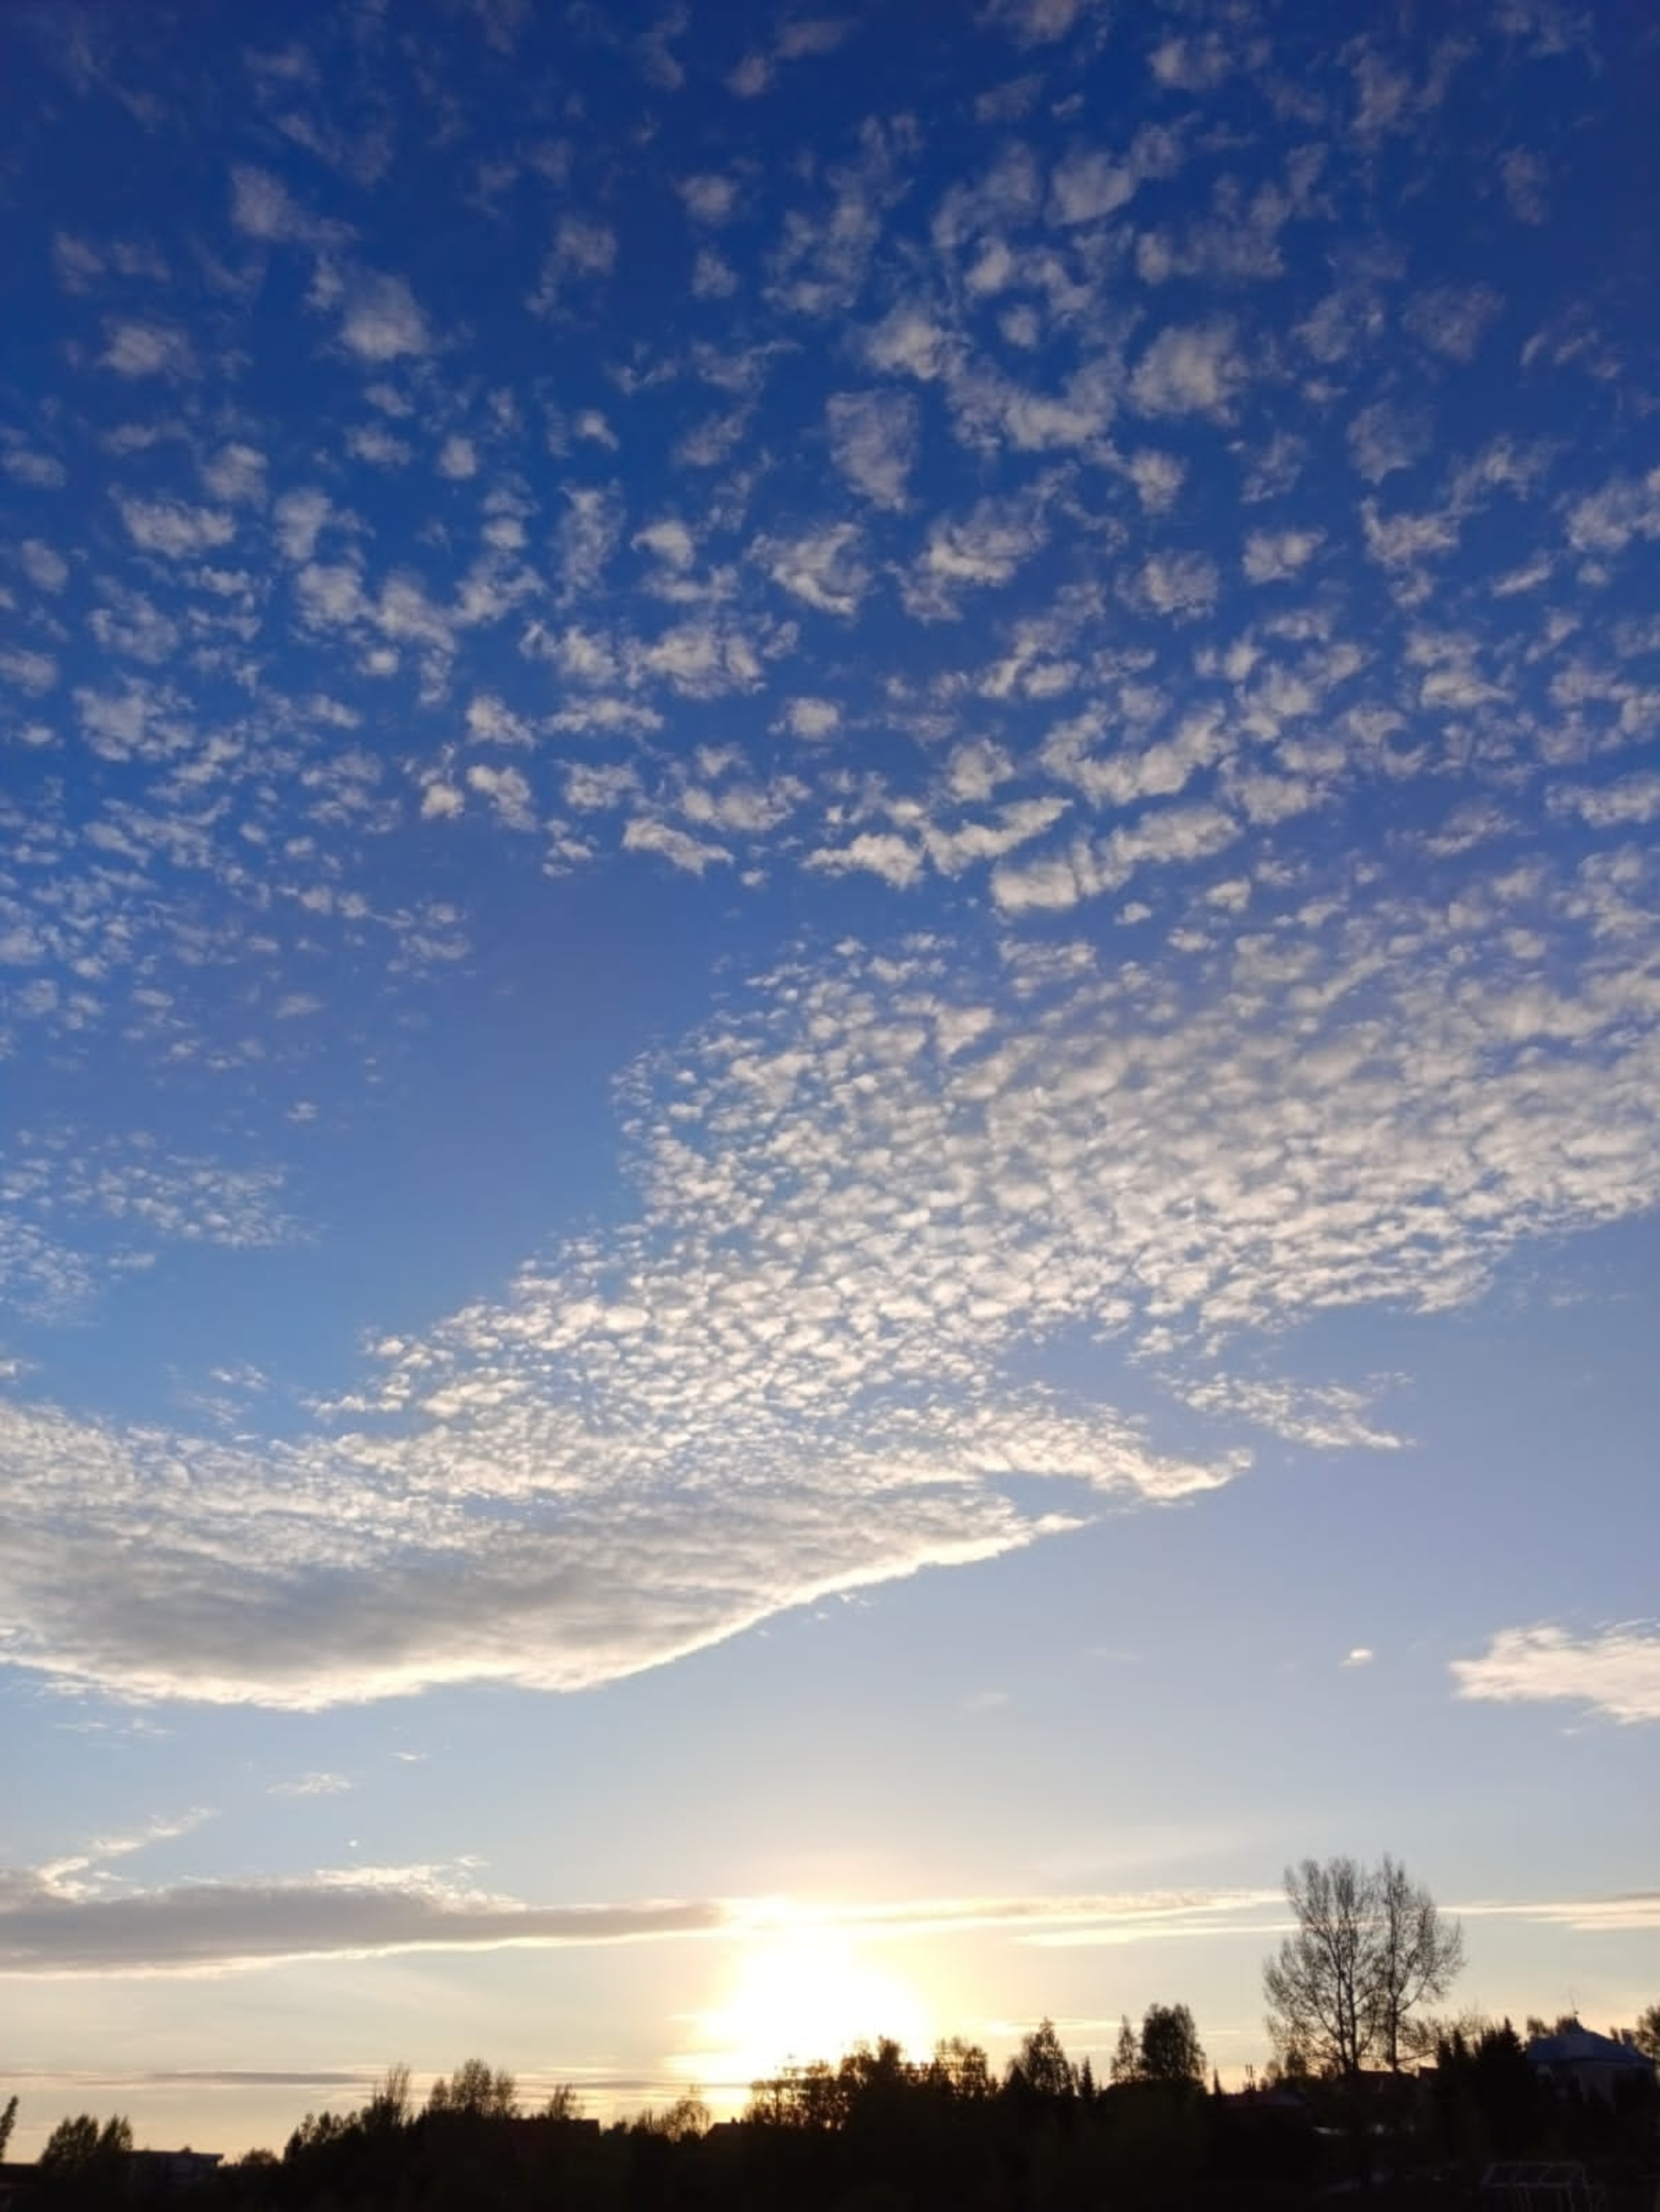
pixel 830 1024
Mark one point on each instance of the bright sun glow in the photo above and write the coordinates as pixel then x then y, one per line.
pixel 797 1996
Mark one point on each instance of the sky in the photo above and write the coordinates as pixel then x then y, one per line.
pixel 829 1026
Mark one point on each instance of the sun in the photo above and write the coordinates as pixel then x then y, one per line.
pixel 798 1995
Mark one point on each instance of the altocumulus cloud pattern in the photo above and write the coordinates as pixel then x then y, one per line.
pixel 1102 560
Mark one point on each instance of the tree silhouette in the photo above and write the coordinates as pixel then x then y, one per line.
pixel 1370 1948
pixel 83 2164
pixel 474 2091
pixel 961 2069
pixel 1419 1954
pixel 1041 2065
pixel 389 2106
pixel 1169 2049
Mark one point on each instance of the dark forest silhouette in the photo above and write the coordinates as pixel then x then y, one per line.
pixel 877 2133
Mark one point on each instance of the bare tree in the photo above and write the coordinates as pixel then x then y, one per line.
pixel 389 2107
pixel 1314 1983
pixel 1419 1954
pixel 1370 1948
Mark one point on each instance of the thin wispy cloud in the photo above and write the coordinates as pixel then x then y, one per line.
pixel 211 1928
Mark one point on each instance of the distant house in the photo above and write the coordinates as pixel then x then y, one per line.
pixel 1287 2102
pixel 17 2185
pixel 1598 2065
pixel 156 2173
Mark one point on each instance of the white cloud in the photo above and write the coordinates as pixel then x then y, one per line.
pixel 236 473
pixel 821 567
pixel 1607 520
pixel 909 341
pixel 507 790
pixel 972 843
pixel 549 646
pixel 984 549
pixel 171 528
pixel 1173 584
pixel 589 532
pixel 46 568
pixel 301 517
pixel 668 541
pixel 27 671
pixel 1047 885
pixel 330 594
pixel 801 38
pixel 798 38
pixel 583 250
pixel 27 465
pixel 441 801
pixel 975 770
pixel 1163 839
pixel 703 659
pixel 1610 806
pixel 712 276
pixel 1453 319
pixel 1192 65
pixel 1190 370
pixel 1158 478
pixel 491 721
pixel 262 207
pixel 1399 540
pixel 148 348
pixel 1089 184
pixel 1275 556
pixel 1525 175
pixel 873 442
pixel 1384 437
pixel 812 719
pixel 380 319
pixel 692 855
pixel 1035 22
pixel 824 256
pixel 878 852
pixel 1616 1671
pixel 1325 1417
pixel 1122 775
pixel 709 197
pixel 373 442
pixel 1408 1138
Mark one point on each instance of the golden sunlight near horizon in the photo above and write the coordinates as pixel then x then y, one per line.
pixel 797 1994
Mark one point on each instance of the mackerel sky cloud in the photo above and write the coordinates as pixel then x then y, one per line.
pixel 822 835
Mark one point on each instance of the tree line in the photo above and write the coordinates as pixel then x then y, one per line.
pixel 1367 2084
